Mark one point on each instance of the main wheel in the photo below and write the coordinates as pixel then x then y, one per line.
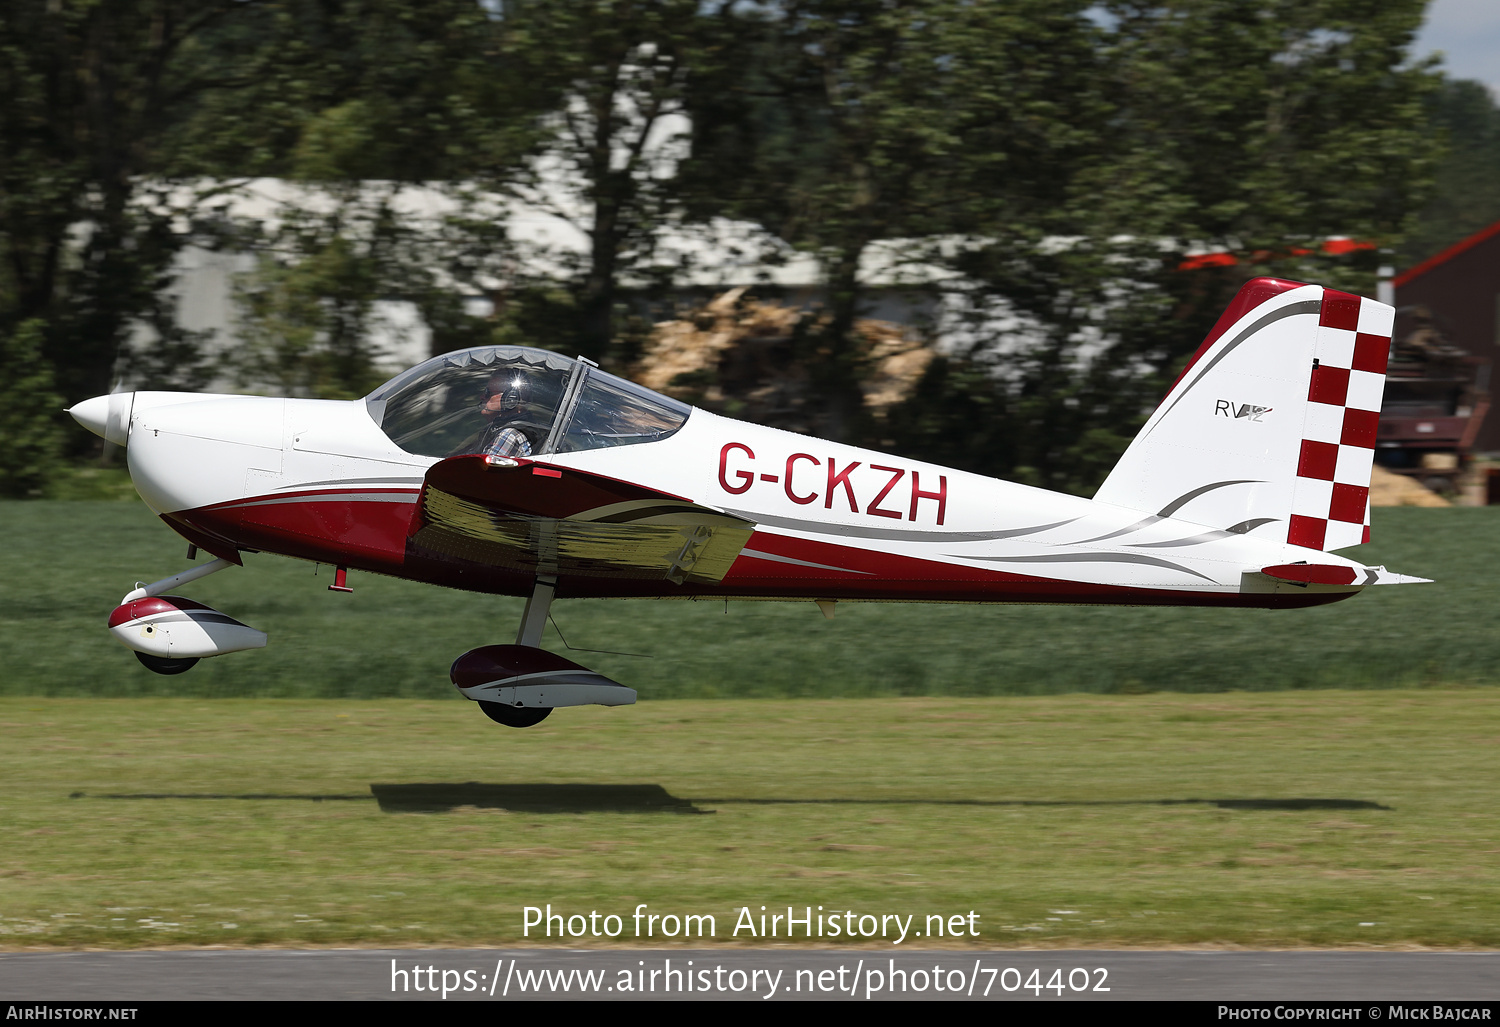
pixel 164 665
pixel 514 716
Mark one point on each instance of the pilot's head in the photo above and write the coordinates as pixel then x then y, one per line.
pixel 505 395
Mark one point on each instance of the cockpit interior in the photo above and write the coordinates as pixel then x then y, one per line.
pixel 455 403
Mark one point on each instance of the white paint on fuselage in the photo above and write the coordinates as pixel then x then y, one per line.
pixel 205 450
pixel 687 464
pixel 190 451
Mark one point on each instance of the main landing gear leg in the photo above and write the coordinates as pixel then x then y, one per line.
pixel 534 618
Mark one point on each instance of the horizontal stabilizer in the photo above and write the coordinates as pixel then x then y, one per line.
pixel 1338 574
pixel 1312 573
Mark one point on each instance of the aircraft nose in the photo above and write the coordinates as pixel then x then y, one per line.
pixel 106 416
pixel 93 414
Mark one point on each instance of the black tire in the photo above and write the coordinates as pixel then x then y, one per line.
pixel 164 665
pixel 514 716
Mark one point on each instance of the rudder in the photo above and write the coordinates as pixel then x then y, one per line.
pixel 1270 430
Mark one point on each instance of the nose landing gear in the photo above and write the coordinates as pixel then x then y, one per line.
pixel 170 634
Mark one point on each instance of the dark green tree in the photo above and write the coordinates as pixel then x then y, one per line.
pixel 1263 129
pixel 307 311
pixel 606 163
pixel 127 122
pixel 30 435
pixel 898 120
pixel 1466 193
pixel 91 92
pixel 386 115
pixel 1255 132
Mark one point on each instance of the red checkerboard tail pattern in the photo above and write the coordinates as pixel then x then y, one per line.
pixel 1270 430
pixel 1331 498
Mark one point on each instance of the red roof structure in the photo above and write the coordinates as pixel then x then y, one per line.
pixel 1462 246
pixel 1460 288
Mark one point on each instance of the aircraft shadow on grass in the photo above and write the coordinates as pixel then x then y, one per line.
pixel 650 798
pixel 531 798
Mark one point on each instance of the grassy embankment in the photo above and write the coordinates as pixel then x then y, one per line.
pixel 66 565
pixel 1060 819
pixel 1078 820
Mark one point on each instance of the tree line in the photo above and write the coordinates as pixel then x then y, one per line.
pixel 1050 168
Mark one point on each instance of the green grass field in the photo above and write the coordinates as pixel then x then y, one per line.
pixel 899 759
pixel 66 565
pixel 1328 818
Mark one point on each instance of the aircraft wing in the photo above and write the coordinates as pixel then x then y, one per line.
pixel 532 517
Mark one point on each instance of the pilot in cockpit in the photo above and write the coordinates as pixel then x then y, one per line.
pixel 506 407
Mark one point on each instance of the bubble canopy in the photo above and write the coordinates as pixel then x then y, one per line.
pixel 458 402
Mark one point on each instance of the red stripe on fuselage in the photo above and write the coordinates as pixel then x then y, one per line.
pixel 328 527
pixel 332 527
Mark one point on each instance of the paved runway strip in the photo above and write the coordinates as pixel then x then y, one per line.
pixel 511 974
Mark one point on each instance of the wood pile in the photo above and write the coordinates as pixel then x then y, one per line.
pixel 747 358
pixel 1387 488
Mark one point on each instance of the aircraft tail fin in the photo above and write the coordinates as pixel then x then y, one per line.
pixel 1270 430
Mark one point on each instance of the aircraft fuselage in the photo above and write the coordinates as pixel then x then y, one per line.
pixel 319 480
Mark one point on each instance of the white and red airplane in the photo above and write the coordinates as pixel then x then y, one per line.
pixel 520 472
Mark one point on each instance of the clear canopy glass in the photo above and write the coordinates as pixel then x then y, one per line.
pixel 512 400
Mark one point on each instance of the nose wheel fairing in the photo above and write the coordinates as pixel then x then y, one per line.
pixel 171 633
pixel 175 628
